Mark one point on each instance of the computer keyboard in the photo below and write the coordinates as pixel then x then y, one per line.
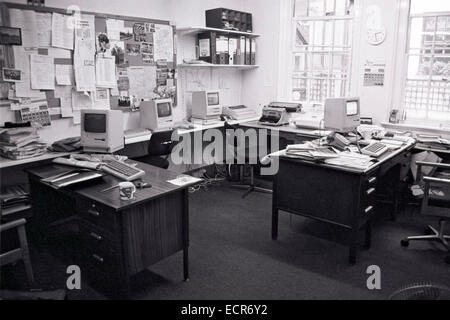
pixel 122 170
pixel 375 149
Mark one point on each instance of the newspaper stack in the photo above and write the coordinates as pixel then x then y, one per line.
pixel 14 196
pixel 311 151
pixel 20 143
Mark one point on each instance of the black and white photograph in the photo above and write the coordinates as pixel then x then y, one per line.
pixel 304 158
pixel 11 75
pixel 10 36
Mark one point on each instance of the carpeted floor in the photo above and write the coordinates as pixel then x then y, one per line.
pixel 232 256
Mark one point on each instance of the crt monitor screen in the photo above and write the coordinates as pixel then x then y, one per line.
pixel 164 109
pixel 352 108
pixel 213 99
pixel 94 122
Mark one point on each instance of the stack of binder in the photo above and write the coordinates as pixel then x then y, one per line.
pixel 217 48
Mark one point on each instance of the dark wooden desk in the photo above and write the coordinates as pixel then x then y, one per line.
pixel 336 195
pixel 116 238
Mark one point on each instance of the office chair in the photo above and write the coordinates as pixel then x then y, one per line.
pixel 436 193
pixel 21 253
pixel 159 148
pixel 249 187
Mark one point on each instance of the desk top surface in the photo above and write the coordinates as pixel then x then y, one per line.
pixel 5 163
pixel 376 164
pixel 157 177
pixel 287 128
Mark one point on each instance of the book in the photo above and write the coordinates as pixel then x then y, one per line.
pixel 72 177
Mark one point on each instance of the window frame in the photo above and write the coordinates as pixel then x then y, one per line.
pixel 287 57
pixel 402 59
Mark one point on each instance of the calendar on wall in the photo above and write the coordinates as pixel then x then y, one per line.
pixel 374 74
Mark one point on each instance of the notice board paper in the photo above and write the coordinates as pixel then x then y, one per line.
pixel 62 31
pixel 163 42
pixel 81 100
pixel 84 54
pixel 105 72
pixel 22 62
pixel 101 99
pixel 44 29
pixel 26 21
pixel 142 81
pixel 42 72
pixel 64 74
pixel 113 28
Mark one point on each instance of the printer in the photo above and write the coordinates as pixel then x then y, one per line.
pixel 240 112
pixel 309 121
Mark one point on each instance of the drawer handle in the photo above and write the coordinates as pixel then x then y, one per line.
pixel 96 236
pixel 370 191
pixel 372 180
pixel 98 258
pixel 368 209
pixel 94 212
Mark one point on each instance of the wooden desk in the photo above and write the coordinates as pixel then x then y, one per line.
pixel 116 238
pixel 336 195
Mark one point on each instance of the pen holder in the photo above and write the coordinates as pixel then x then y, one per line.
pixel 127 190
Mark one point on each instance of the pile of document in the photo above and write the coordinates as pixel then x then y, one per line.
pixel 14 196
pixel 434 142
pixel 20 143
pixel 311 151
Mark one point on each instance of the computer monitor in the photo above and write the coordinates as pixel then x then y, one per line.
pixel 206 104
pixel 342 114
pixel 101 130
pixel 156 114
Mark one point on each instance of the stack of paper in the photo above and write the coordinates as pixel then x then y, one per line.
pixel 311 151
pixel 351 160
pixel 13 196
pixel 21 143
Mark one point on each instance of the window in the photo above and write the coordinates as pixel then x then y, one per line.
pixel 426 93
pixel 321 49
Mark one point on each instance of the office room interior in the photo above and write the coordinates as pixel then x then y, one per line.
pixel 225 150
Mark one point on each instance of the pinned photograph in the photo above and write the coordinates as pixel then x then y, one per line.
pixel 103 44
pixel 146 47
pixel 118 51
pixel 133 49
pixel 124 101
pixel 147 58
pixel 139 31
pixel 10 36
pixel 126 34
pixel 11 75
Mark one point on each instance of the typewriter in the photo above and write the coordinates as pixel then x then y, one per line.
pixel 274 115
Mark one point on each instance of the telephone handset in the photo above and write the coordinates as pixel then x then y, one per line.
pixel 337 140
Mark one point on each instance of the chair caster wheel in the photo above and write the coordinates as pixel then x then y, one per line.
pixel 404 243
pixel 186 280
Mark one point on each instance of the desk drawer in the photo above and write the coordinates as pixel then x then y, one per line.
pixel 99 240
pixel 99 260
pixel 98 215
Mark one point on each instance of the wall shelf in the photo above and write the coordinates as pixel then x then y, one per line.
pixel 218 66
pixel 197 30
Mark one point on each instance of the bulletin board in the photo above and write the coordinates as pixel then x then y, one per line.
pixel 134 60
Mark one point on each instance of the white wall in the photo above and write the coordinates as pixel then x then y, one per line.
pixel 375 101
pixel 259 86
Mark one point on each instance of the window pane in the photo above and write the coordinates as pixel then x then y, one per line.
pixel 301 8
pixel 318 33
pixel 423 6
pixel 316 8
pixel 303 33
